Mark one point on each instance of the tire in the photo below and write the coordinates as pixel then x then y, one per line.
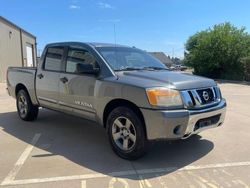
pixel 26 110
pixel 196 136
pixel 126 133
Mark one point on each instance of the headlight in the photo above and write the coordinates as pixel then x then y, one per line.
pixel 164 97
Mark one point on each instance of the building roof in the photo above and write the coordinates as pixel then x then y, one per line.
pixel 162 57
pixel 17 27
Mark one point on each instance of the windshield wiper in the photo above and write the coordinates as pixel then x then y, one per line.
pixel 129 69
pixel 143 68
pixel 154 68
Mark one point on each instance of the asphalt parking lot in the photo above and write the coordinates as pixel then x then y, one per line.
pixel 63 151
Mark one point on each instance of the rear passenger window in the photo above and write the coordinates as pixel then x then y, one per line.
pixel 53 59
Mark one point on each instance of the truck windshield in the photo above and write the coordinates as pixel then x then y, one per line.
pixel 127 59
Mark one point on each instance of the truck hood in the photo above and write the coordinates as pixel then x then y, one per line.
pixel 178 80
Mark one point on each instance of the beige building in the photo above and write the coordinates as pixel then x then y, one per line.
pixel 17 47
pixel 162 57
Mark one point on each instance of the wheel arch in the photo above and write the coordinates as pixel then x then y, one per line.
pixel 20 87
pixel 122 102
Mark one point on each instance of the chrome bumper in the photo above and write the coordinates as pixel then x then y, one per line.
pixel 219 110
pixel 178 124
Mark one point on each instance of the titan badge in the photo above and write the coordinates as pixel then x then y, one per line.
pixel 81 103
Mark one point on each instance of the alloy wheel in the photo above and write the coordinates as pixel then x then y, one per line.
pixel 124 133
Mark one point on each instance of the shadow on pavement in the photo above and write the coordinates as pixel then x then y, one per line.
pixel 85 143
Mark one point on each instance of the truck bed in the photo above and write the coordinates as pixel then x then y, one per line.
pixel 22 76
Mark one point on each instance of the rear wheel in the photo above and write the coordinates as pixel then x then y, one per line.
pixel 126 133
pixel 26 110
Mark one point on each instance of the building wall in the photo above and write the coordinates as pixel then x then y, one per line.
pixel 12 53
pixel 10 49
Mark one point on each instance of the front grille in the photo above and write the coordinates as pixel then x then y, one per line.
pixel 206 95
pixel 199 98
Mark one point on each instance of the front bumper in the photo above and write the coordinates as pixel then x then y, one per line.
pixel 177 124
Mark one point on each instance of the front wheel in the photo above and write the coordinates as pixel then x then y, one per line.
pixel 126 133
pixel 26 110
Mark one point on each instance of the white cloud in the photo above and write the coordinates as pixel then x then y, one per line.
pixel 105 5
pixel 74 7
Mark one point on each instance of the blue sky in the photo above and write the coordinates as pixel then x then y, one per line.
pixel 159 25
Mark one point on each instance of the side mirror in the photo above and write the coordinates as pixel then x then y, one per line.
pixel 86 69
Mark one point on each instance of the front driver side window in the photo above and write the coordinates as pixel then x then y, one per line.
pixel 79 60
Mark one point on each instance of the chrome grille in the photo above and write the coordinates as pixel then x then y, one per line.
pixel 206 95
pixel 201 98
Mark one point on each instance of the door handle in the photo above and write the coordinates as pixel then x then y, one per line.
pixel 64 80
pixel 40 76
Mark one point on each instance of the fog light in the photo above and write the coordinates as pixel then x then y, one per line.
pixel 177 130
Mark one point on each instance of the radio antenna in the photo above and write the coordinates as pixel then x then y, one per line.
pixel 114 34
pixel 115 45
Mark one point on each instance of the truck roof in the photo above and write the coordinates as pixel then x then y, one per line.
pixel 92 44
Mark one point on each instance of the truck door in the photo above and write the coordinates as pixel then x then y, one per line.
pixel 77 85
pixel 47 81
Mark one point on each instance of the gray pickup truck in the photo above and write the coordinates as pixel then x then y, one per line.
pixel 126 90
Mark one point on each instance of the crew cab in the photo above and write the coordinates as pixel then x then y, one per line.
pixel 124 89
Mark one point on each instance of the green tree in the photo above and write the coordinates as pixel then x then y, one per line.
pixel 246 64
pixel 218 51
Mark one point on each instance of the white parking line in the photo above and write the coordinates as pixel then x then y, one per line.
pixel 12 174
pixel 122 181
pixel 123 173
pixel 55 179
pixel 144 182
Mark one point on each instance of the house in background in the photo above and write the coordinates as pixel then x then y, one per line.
pixel 17 47
pixel 162 57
